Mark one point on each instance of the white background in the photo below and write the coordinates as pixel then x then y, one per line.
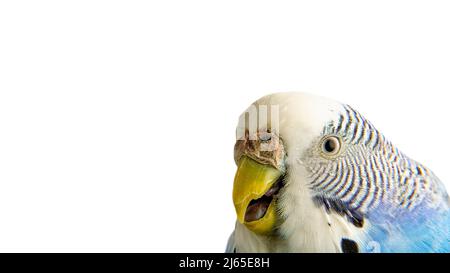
pixel 117 118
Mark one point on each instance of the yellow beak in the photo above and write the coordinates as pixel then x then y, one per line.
pixel 251 182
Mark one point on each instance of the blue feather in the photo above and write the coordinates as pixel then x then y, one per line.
pixel 423 229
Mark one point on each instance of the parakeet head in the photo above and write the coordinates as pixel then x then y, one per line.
pixel 315 175
pixel 278 135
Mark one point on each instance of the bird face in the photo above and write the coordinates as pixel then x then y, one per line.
pixel 261 175
pixel 321 178
pixel 259 178
pixel 264 167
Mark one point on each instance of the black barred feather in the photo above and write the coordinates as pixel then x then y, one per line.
pixel 368 172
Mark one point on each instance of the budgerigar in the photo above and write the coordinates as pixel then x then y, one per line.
pixel 315 176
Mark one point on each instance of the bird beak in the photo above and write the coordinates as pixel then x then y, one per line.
pixel 252 181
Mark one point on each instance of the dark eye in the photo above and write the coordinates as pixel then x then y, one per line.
pixel 331 145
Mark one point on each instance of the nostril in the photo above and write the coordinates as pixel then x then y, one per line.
pixel 265 137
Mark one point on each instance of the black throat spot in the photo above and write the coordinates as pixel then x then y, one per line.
pixel 349 246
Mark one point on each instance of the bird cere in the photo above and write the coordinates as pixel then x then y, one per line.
pixel 314 175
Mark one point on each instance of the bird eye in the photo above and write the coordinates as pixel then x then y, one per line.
pixel 331 145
